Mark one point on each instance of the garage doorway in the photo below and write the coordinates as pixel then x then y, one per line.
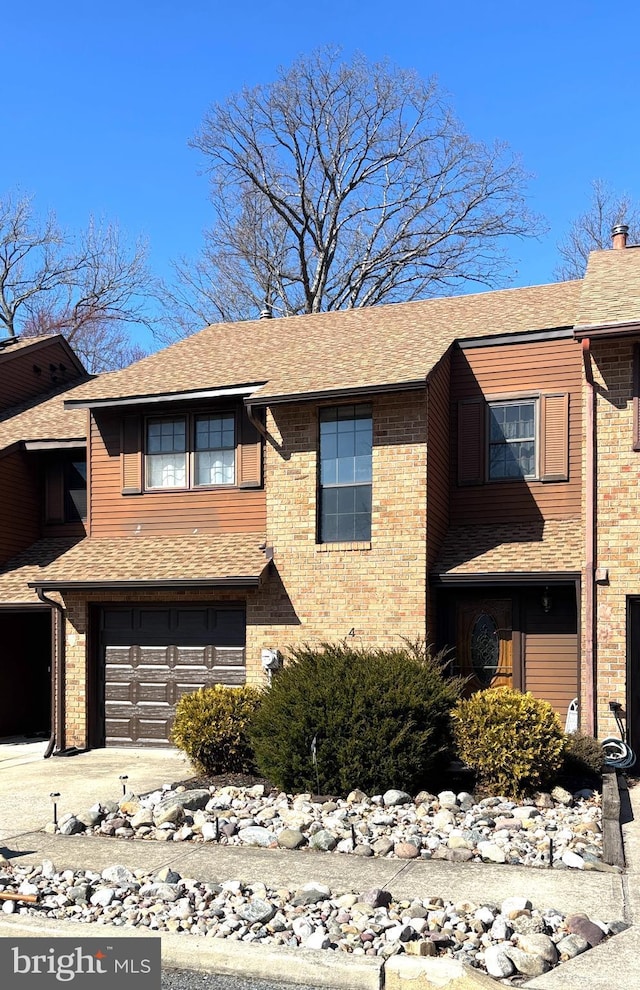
pixel 151 655
pixel 25 672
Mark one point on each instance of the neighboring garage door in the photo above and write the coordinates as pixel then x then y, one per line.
pixel 155 654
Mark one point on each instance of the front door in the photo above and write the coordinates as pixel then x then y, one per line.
pixel 485 643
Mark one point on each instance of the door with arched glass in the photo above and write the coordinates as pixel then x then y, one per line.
pixel 485 643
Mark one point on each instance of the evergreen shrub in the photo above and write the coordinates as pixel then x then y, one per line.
pixel 583 756
pixel 211 728
pixel 513 741
pixel 380 718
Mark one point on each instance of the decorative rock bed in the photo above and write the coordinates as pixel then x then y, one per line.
pixel 507 940
pixel 557 829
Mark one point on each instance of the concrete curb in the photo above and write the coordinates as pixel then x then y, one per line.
pixel 221 956
pixel 308 966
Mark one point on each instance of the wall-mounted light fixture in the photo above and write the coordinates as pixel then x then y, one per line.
pixel 546 601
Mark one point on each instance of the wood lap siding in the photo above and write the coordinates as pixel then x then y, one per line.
pixel 157 513
pixel 551 670
pixel 437 458
pixel 19 506
pixel 553 368
pixel 20 382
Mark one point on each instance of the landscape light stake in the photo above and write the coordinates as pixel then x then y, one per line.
pixel 314 757
pixel 353 836
pixel 123 778
pixel 217 830
pixel 54 795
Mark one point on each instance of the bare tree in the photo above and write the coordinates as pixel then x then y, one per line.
pixel 92 287
pixel 346 184
pixel 592 230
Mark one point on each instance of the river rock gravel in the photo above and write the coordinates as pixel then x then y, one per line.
pixel 560 829
pixel 511 940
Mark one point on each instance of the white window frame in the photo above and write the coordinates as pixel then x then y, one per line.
pixel 513 400
pixel 190 453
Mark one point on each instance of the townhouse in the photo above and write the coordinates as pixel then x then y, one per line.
pixel 404 471
pixel 42 497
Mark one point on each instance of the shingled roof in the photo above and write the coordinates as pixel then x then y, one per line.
pixel 231 559
pixel 512 548
pixel 374 347
pixel 611 289
pixel 43 420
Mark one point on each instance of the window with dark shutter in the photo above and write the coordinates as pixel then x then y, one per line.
pixel 249 454
pixel 131 456
pixel 554 437
pixel 471 445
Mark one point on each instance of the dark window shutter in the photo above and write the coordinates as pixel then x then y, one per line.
pixel 131 455
pixel 471 452
pixel 554 437
pixel 54 493
pixel 249 454
pixel 636 396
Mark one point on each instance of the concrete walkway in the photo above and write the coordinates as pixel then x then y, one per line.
pixel 82 780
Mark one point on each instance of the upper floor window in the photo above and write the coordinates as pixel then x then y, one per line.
pixel 190 451
pixel 65 488
pixel 512 439
pixel 75 489
pixel 346 445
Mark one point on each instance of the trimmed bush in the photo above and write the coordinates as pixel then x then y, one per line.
pixel 380 719
pixel 513 741
pixel 211 728
pixel 582 756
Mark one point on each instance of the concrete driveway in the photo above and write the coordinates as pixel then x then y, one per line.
pixel 26 780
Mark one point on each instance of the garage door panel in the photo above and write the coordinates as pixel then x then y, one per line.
pixel 231 657
pixel 155 655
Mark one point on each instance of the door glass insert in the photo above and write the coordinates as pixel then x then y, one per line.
pixel 485 648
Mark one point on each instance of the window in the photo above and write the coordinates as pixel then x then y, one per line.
pixel 65 488
pixel 346 444
pixel 167 453
pixel 512 439
pixel 190 451
pixel 215 450
pixel 75 490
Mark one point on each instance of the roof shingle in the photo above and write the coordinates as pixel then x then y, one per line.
pixel 232 558
pixel 512 548
pixel 356 348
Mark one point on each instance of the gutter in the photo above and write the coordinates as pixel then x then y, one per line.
pixel 57 671
pixel 590 724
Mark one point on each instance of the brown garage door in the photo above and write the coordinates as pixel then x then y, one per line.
pixel 153 655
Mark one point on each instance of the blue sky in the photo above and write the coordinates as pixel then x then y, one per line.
pixel 101 100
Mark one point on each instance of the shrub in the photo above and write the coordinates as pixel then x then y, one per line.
pixel 513 741
pixel 582 755
pixel 380 718
pixel 211 727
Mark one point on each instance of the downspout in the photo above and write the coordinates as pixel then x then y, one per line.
pixel 57 671
pixel 255 421
pixel 590 723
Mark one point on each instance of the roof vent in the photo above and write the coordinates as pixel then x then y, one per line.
pixel 266 312
pixel 619 236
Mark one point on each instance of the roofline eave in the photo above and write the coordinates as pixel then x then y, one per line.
pixel 234 581
pixel 154 397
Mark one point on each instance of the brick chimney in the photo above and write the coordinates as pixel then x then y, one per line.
pixel 619 236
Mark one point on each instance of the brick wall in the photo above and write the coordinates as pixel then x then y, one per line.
pixel 312 592
pixel 323 591
pixel 618 519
